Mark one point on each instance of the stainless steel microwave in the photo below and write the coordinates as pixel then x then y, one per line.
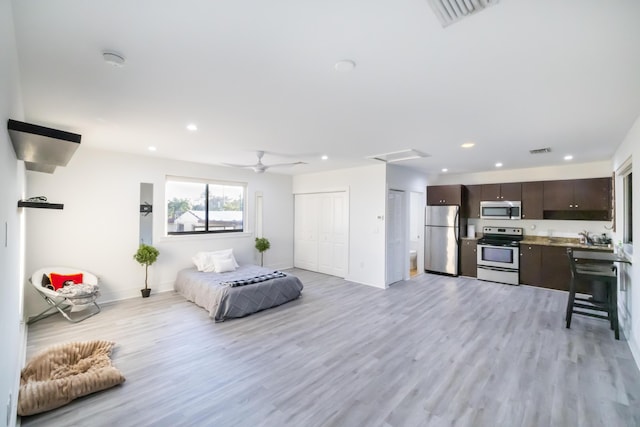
pixel 501 210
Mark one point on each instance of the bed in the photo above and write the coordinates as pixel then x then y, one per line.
pixel 226 295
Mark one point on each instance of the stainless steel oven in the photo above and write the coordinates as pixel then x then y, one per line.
pixel 501 210
pixel 499 255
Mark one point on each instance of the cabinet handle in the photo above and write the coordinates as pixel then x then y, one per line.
pixel 570 206
pixel 576 206
pixel 523 215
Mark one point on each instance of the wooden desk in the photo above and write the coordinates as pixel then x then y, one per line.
pixel 601 256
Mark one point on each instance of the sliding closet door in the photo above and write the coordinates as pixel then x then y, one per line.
pixel 332 236
pixel 321 232
pixel 305 240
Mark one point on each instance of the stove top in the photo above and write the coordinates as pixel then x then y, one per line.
pixel 501 236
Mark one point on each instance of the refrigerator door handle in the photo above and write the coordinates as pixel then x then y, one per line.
pixel 456 226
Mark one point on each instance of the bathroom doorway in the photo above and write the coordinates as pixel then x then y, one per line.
pixel 416 228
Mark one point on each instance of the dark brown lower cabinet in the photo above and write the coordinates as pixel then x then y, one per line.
pixel 531 265
pixel 555 268
pixel 468 257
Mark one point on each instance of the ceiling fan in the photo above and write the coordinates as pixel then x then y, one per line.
pixel 260 167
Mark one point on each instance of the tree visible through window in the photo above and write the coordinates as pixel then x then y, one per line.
pixel 204 207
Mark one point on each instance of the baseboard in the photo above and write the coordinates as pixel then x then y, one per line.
pixel 635 351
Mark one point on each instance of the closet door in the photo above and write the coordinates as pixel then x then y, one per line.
pixel 332 234
pixel 321 232
pixel 305 249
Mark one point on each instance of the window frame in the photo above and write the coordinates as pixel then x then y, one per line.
pixel 206 183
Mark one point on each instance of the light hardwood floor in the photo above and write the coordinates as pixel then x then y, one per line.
pixel 433 351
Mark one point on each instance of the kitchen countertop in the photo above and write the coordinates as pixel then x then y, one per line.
pixel 565 242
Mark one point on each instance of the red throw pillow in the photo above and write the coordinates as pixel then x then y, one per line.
pixel 61 280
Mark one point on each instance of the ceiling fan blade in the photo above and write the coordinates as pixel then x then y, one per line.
pixel 276 165
pixel 234 165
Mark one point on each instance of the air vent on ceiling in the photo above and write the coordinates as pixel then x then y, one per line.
pixel 398 156
pixel 451 11
pixel 540 150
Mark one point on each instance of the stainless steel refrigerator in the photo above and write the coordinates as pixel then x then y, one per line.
pixel 442 239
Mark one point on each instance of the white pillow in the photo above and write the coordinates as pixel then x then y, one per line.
pixel 223 264
pixel 204 262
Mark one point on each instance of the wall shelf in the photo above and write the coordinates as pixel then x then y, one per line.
pixel 41 205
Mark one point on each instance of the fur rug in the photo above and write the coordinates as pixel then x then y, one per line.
pixel 59 374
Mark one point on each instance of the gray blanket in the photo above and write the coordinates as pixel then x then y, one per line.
pixel 225 302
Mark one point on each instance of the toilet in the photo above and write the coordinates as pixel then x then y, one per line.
pixel 413 259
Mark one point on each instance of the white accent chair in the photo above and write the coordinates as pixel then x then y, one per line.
pixel 66 304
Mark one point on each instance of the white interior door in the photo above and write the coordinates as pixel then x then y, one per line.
pixel 397 253
pixel 305 241
pixel 332 234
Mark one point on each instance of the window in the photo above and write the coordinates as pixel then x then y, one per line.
pixel 204 206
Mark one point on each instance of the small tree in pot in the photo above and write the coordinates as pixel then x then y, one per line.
pixel 262 244
pixel 146 255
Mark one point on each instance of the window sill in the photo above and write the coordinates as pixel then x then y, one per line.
pixel 205 236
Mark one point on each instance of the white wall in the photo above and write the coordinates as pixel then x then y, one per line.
pixel 552 228
pixel 98 229
pixel 367 198
pixel 12 177
pixel 630 147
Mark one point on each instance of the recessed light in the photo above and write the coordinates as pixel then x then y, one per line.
pixel 468 144
pixel 192 127
pixel 344 65
pixel 152 148
pixel 498 165
pixel 568 157
pixel 445 170
pixel 325 157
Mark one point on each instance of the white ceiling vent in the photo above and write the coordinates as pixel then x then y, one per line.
pixel 540 150
pixel 398 156
pixel 451 11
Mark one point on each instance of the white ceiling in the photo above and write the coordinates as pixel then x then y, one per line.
pixel 259 75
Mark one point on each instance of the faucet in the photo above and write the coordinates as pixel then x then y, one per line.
pixel 587 239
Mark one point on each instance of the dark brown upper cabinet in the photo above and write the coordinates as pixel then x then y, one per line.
pixel 532 200
pixel 444 195
pixel 579 199
pixel 472 199
pixel 510 191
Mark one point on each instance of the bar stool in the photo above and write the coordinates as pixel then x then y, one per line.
pixel 602 282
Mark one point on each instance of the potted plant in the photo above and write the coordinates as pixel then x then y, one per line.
pixel 262 244
pixel 146 255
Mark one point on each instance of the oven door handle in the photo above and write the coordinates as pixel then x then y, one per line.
pixel 485 267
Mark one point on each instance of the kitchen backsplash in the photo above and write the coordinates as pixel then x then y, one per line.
pixel 547 227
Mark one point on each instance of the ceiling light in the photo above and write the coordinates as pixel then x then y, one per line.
pixel 568 157
pixel 445 170
pixel 192 127
pixel 344 65
pixel 152 148
pixel 468 144
pixel 113 58
pixel 498 165
pixel 325 157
